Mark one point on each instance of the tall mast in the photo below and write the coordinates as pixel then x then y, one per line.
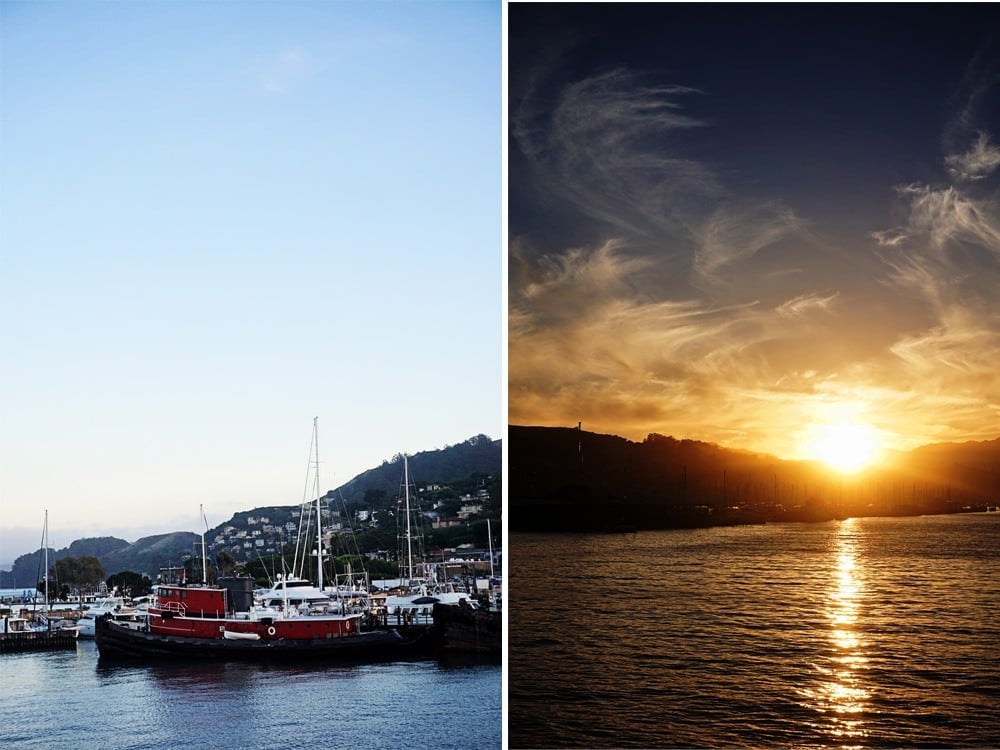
pixel 319 515
pixel 45 533
pixel 204 562
pixel 409 547
pixel 489 536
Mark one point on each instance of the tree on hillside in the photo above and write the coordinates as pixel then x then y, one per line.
pixel 226 562
pixel 375 499
pixel 130 583
pixel 81 574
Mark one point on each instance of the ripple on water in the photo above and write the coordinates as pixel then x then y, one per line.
pixel 874 632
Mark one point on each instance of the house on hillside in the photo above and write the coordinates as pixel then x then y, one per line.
pixel 469 510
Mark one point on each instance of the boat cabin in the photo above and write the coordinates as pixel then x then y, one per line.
pixel 191 602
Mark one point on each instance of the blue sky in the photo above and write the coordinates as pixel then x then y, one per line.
pixel 220 220
pixel 762 226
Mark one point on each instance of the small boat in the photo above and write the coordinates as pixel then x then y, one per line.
pixel 112 605
pixel 43 630
pixel 52 624
pixel 236 636
pixel 17 634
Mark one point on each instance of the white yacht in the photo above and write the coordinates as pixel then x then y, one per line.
pixel 116 606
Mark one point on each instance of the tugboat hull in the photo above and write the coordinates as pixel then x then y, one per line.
pixel 117 642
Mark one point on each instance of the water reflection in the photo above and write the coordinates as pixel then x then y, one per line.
pixel 841 696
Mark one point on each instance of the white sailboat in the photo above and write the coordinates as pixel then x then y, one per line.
pixel 295 592
pixel 45 622
pixel 417 604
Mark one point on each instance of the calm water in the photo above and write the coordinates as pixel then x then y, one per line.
pixel 67 699
pixel 862 633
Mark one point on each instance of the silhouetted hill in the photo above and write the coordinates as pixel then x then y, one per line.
pixel 567 479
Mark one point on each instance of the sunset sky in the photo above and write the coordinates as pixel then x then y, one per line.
pixel 220 220
pixel 753 226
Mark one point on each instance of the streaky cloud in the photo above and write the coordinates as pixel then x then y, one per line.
pixel 890 237
pixel 947 215
pixel 604 144
pixel 573 285
pixel 977 163
pixel 929 277
pixel 732 234
pixel 943 216
pixel 806 303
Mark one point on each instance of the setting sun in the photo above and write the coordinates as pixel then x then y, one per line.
pixel 846 446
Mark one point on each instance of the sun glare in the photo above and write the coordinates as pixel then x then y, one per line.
pixel 846 446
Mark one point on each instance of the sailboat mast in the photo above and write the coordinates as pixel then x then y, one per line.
pixel 204 562
pixel 319 515
pixel 489 536
pixel 409 537
pixel 45 534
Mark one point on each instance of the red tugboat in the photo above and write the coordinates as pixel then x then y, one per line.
pixel 222 622
pixel 198 612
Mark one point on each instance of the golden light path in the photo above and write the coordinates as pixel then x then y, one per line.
pixel 843 692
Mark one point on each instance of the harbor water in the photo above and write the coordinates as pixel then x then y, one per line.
pixel 73 699
pixel 869 632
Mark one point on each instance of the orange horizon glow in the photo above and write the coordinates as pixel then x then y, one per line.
pixel 847 437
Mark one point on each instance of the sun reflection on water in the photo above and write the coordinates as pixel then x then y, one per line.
pixel 841 696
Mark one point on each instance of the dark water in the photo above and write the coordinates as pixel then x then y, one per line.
pixel 880 632
pixel 67 699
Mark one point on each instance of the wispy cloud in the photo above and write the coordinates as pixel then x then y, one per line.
pixel 733 234
pixel 805 304
pixel 605 146
pixel 583 272
pixel 978 162
pixel 946 215
pixel 947 253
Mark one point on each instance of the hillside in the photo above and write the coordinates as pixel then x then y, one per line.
pixel 477 455
pixel 265 530
pixel 566 479
pixel 145 555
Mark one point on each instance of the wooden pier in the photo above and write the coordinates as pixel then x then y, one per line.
pixel 15 643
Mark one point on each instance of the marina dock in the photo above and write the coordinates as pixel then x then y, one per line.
pixel 13 643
